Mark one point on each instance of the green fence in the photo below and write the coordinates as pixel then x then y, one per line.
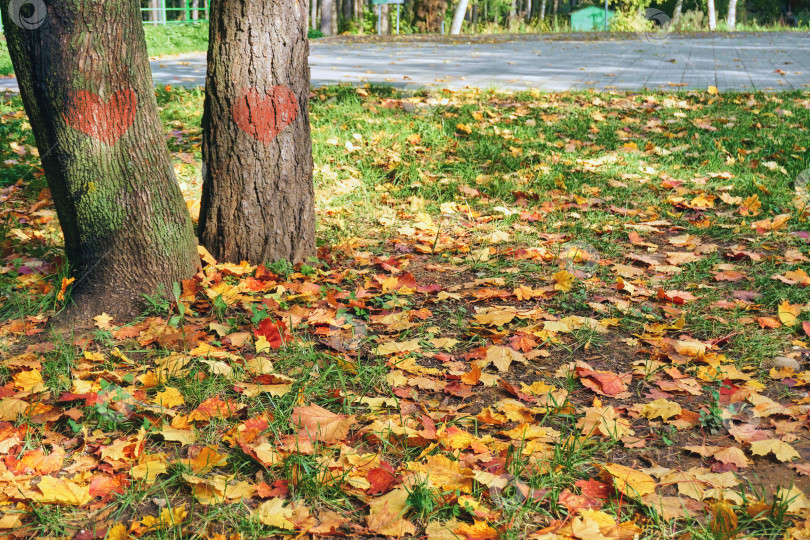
pixel 173 11
pixel 170 11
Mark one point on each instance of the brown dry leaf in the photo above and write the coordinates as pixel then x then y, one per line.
pixel 501 358
pixel 497 316
pixel 605 382
pixel 398 347
pixel 479 530
pixel 385 514
pixel 319 424
pixel 207 459
pixel 732 455
pixel 724 520
pixel 604 421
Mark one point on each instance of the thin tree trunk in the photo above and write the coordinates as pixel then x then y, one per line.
pixel 555 8
pixel 676 17
pixel 313 14
pixel 543 10
pixel 359 6
pixel 458 16
pixel 347 11
pixel 154 11
pixel 327 9
pixel 258 197
pixel 732 14
pixel 712 16
pixel 385 20
pixel 87 88
pixel 195 13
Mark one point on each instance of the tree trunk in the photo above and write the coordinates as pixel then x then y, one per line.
pixel 195 7
pixel 732 14
pixel 712 16
pixel 458 17
pixel 87 88
pixel 154 11
pixel 347 11
pixel 313 14
pixel 258 197
pixel 385 20
pixel 327 9
pixel 678 11
pixel 359 7
pixel 543 10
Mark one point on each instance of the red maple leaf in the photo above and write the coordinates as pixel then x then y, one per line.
pixel 269 329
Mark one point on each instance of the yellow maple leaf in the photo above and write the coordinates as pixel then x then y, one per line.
pixel 103 321
pixel 789 314
pixel 29 381
pixel 782 450
pixel 169 398
pixel 62 491
pixel 501 358
pixel 629 481
pixel 273 513
pixel 565 281
pixel 183 436
pixel 660 408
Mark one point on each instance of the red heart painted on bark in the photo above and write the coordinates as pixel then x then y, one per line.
pixel 265 115
pixel 103 120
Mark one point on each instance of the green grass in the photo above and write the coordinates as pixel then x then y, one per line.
pixel 160 40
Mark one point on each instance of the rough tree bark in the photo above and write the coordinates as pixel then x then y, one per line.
pixel 87 88
pixel 732 14
pixel 712 15
pixel 458 16
pixel 327 11
pixel 257 201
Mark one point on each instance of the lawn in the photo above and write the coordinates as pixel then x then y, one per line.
pixel 160 41
pixel 531 315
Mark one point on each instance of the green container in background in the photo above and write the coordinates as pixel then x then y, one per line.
pixel 589 19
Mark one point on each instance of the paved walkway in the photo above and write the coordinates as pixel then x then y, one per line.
pixel 766 61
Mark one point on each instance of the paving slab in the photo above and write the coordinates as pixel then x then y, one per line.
pixel 772 61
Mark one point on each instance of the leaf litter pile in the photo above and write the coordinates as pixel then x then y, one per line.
pixel 531 316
